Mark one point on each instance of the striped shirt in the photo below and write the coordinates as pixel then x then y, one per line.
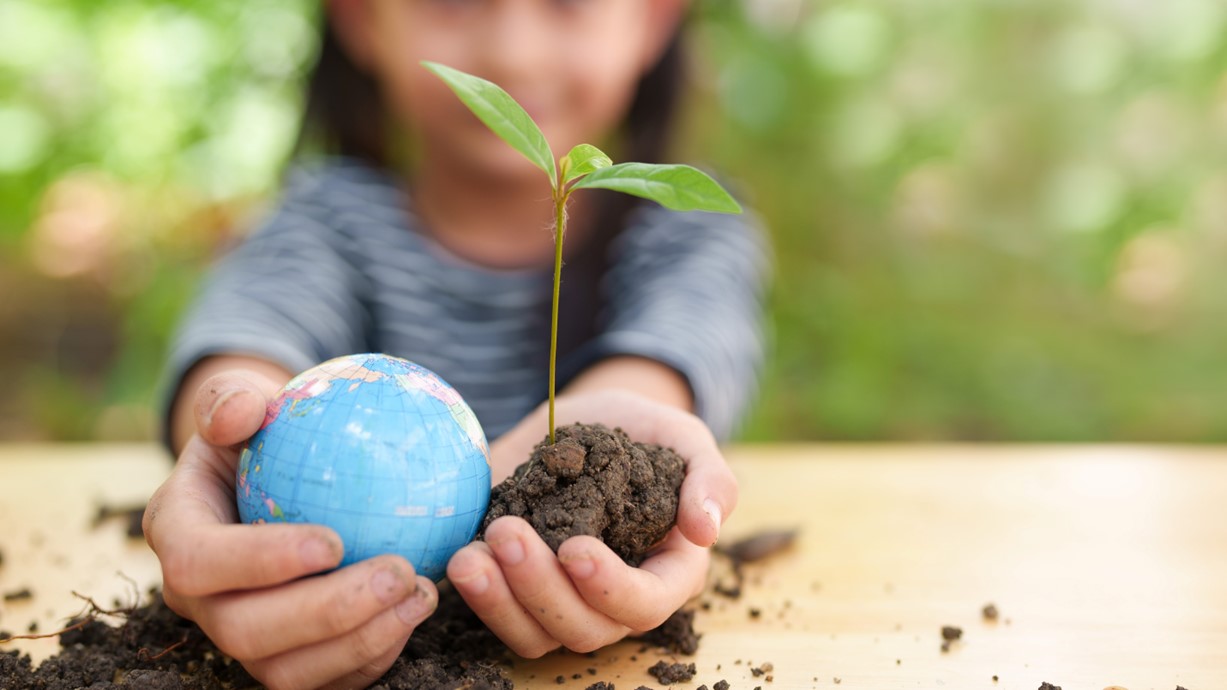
pixel 343 266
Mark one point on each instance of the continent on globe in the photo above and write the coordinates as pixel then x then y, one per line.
pixel 378 448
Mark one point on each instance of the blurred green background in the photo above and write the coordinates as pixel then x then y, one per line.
pixel 994 219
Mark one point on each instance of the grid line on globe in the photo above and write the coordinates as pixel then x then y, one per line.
pixel 382 450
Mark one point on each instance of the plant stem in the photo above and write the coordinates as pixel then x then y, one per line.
pixel 560 230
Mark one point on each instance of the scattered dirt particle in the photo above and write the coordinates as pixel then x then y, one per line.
pixel 560 680
pixel 951 633
pixel 756 613
pixel 19 594
pixel 600 685
pixel 131 515
pixel 1049 686
pixel 989 612
pixel 672 673
pixel 721 685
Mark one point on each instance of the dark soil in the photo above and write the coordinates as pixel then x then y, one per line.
pixel 669 674
pixel 155 648
pixel 989 612
pixel 597 482
pixel 18 594
pixel 676 634
pixel 1049 686
pixel 131 515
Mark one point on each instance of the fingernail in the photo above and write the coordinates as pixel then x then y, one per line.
pixel 476 584
pixel 509 551
pixel 713 513
pixel 579 566
pixel 412 610
pixel 317 553
pixel 388 586
pixel 222 400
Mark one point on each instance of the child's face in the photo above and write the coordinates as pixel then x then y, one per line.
pixel 572 64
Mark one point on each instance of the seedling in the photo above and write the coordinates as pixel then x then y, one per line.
pixel 677 187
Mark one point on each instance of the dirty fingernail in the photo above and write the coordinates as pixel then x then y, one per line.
pixel 388 586
pixel 714 514
pixel 580 566
pixel 509 551
pixel 222 399
pixel 412 610
pixel 318 553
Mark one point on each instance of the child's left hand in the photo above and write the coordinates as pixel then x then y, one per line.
pixel 586 597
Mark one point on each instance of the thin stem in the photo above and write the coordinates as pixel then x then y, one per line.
pixel 560 230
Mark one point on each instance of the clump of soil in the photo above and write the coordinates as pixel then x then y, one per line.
pixel 598 482
pixel 132 517
pixel 18 594
pixel 1049 686
pixel 672 673
pixel 950 635
pixel 676 634
pixel 989 612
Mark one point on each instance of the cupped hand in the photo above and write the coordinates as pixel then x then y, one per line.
pixel 586 597
pixel 247 585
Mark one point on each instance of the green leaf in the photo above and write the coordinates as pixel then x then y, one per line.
pixel 500 112
pixel 679 187
pixel 583 159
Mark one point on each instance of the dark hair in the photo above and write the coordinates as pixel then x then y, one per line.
pixel 345 115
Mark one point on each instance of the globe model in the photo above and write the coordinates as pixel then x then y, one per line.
pixel 379 449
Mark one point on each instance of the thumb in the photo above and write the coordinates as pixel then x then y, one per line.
pixel 230 407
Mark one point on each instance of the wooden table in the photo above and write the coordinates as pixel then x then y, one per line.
pixel 1108 565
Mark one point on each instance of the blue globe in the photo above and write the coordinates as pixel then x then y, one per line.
pixel 379 449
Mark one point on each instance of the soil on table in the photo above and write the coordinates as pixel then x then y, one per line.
pixel 598 482
pixel 155 648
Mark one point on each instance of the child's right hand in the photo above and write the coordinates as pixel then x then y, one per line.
pixel 245 585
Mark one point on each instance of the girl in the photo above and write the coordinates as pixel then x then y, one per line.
pixel 424 236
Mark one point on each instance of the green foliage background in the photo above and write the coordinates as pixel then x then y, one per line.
pixel 1000 219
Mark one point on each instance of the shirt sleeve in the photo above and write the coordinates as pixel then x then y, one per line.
pixel 286 294
pixel 687 290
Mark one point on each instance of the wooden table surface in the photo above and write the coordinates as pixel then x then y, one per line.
pixel 1108 565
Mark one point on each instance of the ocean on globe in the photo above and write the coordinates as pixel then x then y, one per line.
pixel 378 448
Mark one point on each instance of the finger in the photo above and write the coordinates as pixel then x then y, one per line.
pixel 638 598
pixel 475 574
pixel 230 407
pixel 707 499
pixel 354 659
pixel 370 672
pixel 263 623
pixel 201 555
pixel 542 586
